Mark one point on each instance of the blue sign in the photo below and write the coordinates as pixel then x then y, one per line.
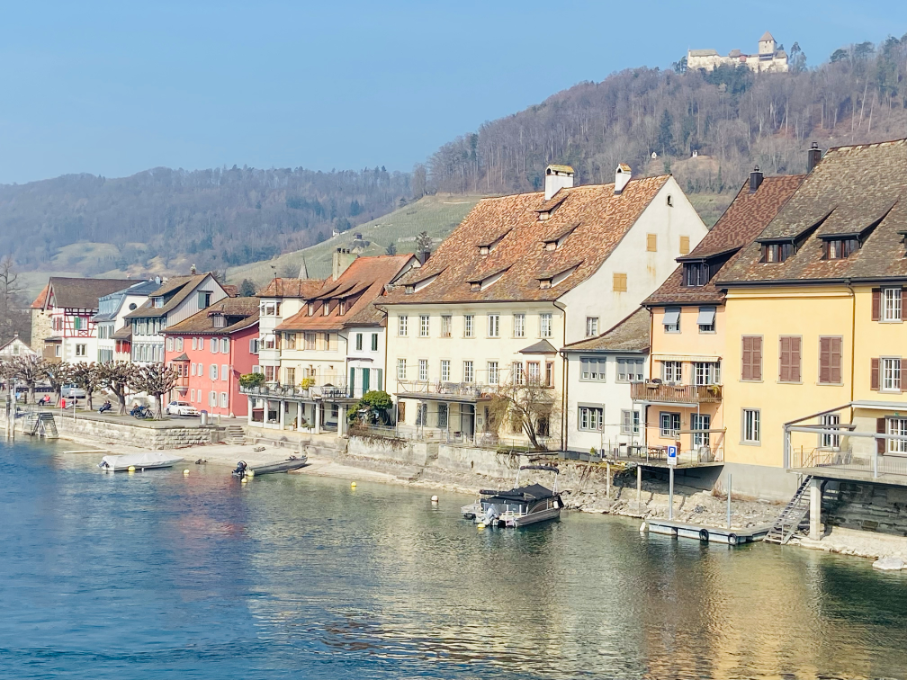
pixel 672 455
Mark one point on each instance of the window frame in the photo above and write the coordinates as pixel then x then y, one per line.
pixel 401 369
pixel 753 428
pixel 697 421
pixel 444 370
pixel 630 417
pixel 712 373
pixel 403 325
pixel 671 327
pixel 469 326
pixel 884 304
pixel 594 420
pixel 493 323
pixel 897 373
pixel 447 323
pixel 895 446
pixel 599 363
pixel 678 378
pixel 545 325
pixel 635 361
pixel 671 432
pixel 424 325
pixel 469 373
pixel 829 441
pixel 492 372
pixel 422 371
pixel 519 322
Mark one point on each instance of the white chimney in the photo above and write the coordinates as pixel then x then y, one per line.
pixel 558 177
pixel 622 177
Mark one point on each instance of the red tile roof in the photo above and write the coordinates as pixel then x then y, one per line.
pixel 81 293
pixel 631 334
pixel 292 288
pixel 239 313
pixel 601 219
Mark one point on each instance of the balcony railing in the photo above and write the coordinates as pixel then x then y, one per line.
pixel 453 389
pixel 274 390
pixel 676 394
pixel 846 460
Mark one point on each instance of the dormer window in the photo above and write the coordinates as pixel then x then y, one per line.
pixel 311 308
pixel 489 247
pixel 475 286
pixel 840 248
pixel 696 274
pixel 485 250
pixel 409 290
pixel 777 252
pixel 157 302
pixel 545 283
pixel 342 307
pixel 218 321
pixel 326 308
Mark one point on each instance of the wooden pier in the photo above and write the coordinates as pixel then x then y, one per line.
pixel 706 534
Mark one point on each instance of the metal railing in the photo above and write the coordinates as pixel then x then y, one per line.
pixel 274 390
pixel 454 389
pixel 875 464
pixel 680 394
pixel 480 440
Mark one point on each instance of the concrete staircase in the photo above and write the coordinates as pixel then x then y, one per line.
pixel 235 434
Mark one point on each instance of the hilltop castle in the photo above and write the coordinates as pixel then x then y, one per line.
pixel 768 58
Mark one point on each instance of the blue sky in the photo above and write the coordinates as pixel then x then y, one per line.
pixel 115 88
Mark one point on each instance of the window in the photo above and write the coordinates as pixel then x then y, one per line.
pixel 422 414
pixel 533 373
pixel 590 418
pixel 359 341
pixel 401 411
pixel 629 369
pixel 375 342
pixel 192 368
pixel 592 368
pixel 468 326
pixel 549 374
pixel 790 359
pixel 169 344
pixel 492 371
pixel 423 369
pixel 194 342
pixel 671 319
pixel 751 427
pixel 214 345
pixel 80 350
pixel 468 371
pixel 309 340
pixel 212 398
pixel 840 248
pixel 401 369
pixel 326 308
pixel 630 422
pixel 706 373
pixel 192 395
pixel 892 304
pixel 443 416
pixel 270 373
pixel 700 422
pixel 830 361
pixel 619 283
pixel 695 274
pixel 77 323
pixel 684 246
pixel 891 375
pixel 402 324
pixel 706 319
pixel 446 326
pixel 669 425
pixel 651 243
pixel 424 325
pixel 776 252
pixel 213 371
pixel 204 299
pixel 520 321
pixel 831 421
pixel 494 325
pixel 671 372
pixel 592 326
pixel 517 375
pixel 751 357
pixel 223 400
pixel 897 426
pixel 446 370
pixel 545 325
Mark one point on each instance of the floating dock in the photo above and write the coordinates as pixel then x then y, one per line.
pixel 698 532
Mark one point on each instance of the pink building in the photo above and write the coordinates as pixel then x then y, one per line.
pixel 211 350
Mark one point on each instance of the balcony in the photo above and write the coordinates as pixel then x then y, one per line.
pixel 444 391
pixel 296 393
pixel 676 394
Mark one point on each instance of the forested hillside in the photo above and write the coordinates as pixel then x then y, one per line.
pixel 165 219
pixel 731 117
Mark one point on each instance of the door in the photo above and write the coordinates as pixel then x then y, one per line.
pixel 365 380
pixel 351 388
pixel 467 415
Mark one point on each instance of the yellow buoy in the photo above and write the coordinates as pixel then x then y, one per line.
pixel 131 468
pixel 243 480
pixel 434 499
pixel 250 473
pixel 185 472
pixel 352 485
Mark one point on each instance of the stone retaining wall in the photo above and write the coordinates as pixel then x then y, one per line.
pixel 868 507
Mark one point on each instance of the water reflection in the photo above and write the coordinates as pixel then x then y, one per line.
pixel 206 577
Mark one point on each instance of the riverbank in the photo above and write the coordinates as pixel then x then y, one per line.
pixel 584 489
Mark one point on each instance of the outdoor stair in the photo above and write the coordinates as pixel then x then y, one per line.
pixel 41 424
pixel 235 434
pixel 794 517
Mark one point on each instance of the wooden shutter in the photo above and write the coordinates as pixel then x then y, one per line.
pixel 795 361
pixel 825 368
pixel 785 359
pixel 875 374
pixel 881 429
pixel 685 245
pixel 757 358
pixel 902 365
pixel 875 305
pixel 746 358
pixel 835 360
pixel 904 305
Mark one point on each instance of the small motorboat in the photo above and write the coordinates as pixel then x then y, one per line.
pixel 291 463
pixel 138 462
pixel 517 507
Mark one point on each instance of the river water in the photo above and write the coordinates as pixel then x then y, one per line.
pixel 160 575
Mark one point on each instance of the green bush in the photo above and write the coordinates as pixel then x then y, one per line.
pixel 252 380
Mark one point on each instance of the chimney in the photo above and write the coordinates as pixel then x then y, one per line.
pixel 341 259
pixel 622 177
pixel 558 177
pixel 756 179
pixel 814 154
pixel 423 256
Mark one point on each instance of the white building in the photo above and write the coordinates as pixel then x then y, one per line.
pixel 280 300
pixel 600 413
pixel 767 58
pixel 520 278
pixel 16 348
pixel 111 317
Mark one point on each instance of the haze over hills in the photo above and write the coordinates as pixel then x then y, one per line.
pixel 162 221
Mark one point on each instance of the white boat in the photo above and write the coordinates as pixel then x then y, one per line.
pixel 517 507
pixel 138 461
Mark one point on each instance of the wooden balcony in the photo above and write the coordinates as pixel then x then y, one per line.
pixel 676 394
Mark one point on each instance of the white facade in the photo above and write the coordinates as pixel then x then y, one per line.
pixel 106 343
pixel 365 359
pixel 273 311
pixel 16 348
pixel 600 413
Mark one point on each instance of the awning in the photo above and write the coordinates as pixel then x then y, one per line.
pixel 707 316
pixel 685 357
pixel 671 316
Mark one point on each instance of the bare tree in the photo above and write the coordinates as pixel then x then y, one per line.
pixel 88 377
pixel 30 370
pixel 530 408
pixel 58 374
pixel 119 377
pixel 14 316
pixel 156 380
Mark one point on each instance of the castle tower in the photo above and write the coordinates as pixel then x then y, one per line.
pixel 767 44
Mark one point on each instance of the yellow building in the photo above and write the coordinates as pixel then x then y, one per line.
pixel 814 321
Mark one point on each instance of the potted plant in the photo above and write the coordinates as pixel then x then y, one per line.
pixel 252 381
pixel 306 383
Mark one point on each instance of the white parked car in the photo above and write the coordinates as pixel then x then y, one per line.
pixel 72 392
pixel 181 408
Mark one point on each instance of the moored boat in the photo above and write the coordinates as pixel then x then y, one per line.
pixel 517 507
pixel 151 460
pixel 286 465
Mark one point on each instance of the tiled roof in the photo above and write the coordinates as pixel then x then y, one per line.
pixel 848 192
pixel 362 285
pixel 179 287
pixel 240 313
pixel 602 220
pixel 124 333
pixel 292 288
pixel 82 293
pixel 42 297
pixel 137 289
pixel 230 289
pixel 632 334
pixel 742 222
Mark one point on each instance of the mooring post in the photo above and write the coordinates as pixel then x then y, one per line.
pixel 671 493
pixel 728 511
pixel 608 480
pixel 639 482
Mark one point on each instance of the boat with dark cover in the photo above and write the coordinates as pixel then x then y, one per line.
pixel 286 465
pixel 517 507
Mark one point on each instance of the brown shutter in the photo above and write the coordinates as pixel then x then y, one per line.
pixel 757 368
pixel 835 360
pixel 903 364
pixel 875 305
pixel 904 305
pixel 795 360
pixel 824 360
pixel 746 358
pixel 875 374
pixel 881 429
pixel 784 359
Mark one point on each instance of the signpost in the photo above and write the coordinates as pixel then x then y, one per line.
pixel 672 452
